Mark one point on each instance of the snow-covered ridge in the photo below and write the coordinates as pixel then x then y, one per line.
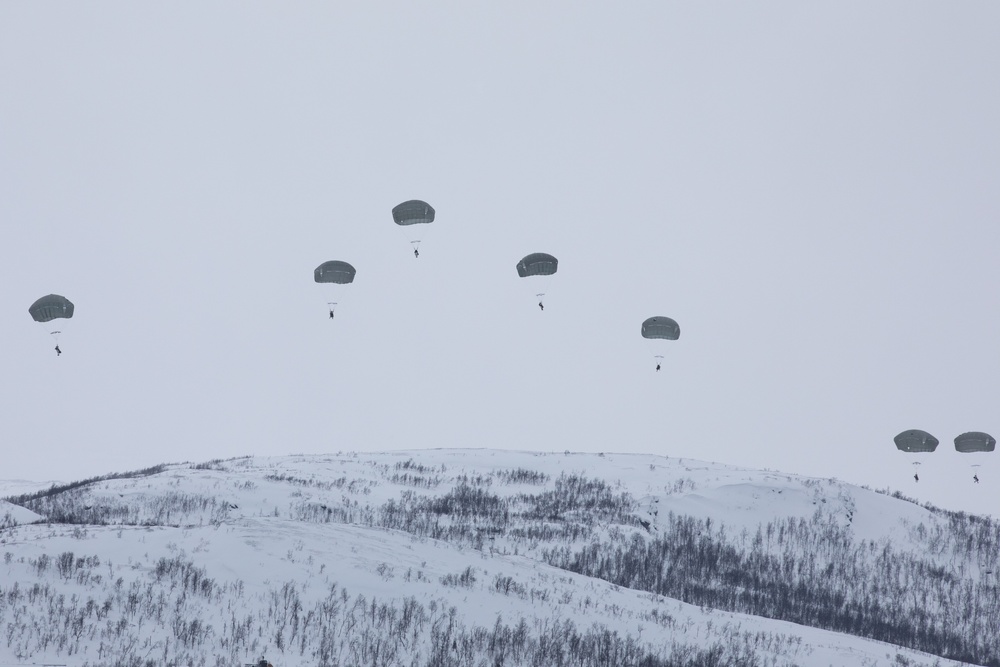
pixel 601 547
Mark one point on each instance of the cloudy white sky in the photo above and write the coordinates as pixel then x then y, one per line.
pixel 809 189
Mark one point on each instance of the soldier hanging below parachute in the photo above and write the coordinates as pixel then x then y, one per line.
pixel 49 308
pixel 538 264
pixel 660 328
pixel 975 442
pixel 408 215
pixel 916 442
pixel 337 273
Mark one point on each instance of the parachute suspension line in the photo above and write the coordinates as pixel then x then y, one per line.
pixel 414 235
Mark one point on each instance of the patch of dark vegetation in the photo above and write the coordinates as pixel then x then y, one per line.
pixel 522 476
pixel 465 501
pixel 313 483
pixel 214 464
pixel 589 500
pixel 414 467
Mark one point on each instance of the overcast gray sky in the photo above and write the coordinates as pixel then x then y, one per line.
pixel 809 189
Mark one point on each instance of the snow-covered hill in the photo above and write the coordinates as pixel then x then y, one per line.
pixel 484 557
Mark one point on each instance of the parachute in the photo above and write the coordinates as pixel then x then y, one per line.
pixel 975 441
pixel 409 214
pixel 657 329
pixel 413 212
pixel 337 273
pixel 537 264
pixel 661 327
pixel 916 442
pixel 51 307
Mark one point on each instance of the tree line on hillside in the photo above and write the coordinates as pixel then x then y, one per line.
pixel 174 615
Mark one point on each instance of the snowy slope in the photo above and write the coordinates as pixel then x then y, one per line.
pixel 273 534
pixel 12 515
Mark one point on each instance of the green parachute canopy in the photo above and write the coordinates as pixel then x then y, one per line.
pixel 537 264
pixel 51 307
pixel 413 212
pixel 661 327
pixel 916 441
pixel 975 441
pixel 335 271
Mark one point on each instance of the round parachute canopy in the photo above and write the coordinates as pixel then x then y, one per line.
pixel 537 264
pixel 413 212
pixel 334 271
pixel 661 327
pixel 51 307
pixel 916 441
pixel 974 441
